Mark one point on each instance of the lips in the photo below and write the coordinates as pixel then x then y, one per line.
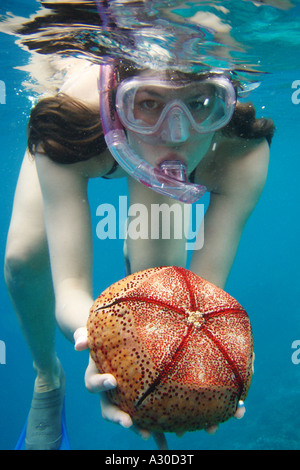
pixel 172 157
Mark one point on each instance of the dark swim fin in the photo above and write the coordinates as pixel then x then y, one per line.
pixel 65 444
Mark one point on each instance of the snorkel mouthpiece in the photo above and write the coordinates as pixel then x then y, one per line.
pixel 169 178
pixel 174 169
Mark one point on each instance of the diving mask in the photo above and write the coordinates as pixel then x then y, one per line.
pixel 165 110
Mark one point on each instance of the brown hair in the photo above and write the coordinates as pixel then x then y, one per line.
pixel 69 131
pixel 245 124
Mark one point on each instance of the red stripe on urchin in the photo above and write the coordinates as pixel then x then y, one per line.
pixel 183 273
pixel 146 300
pixel 223 351
pixel 168 367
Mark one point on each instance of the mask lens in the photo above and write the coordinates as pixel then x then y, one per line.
pixel 148 106
pixel 201 103
pixel 143 105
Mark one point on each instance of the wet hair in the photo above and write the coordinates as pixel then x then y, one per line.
pixel 68 131
pixel 244 124
pixel 65 130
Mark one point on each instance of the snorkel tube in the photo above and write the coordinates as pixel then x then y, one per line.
pixel 170 179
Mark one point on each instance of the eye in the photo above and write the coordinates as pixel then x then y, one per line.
pixel 149 105
pixel 198 103
pixel 148 101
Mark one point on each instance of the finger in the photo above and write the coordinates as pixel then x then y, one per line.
pixel 111 412
pixel 160 440
pixel 240 411
pixel 143 433
pixel 97 383
pixel 81 340
pixel 212 429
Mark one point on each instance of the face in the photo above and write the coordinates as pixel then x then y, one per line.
pixel 190 151
pixel 172 114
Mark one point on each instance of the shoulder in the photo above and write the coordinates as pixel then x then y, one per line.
pixel 235 166
pixel 95 167
pixel 81 83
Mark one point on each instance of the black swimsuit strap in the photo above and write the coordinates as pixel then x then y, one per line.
pixel 192 176
pixel 112 170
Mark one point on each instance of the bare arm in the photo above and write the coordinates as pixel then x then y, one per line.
pixel 68 227
pixel 241 180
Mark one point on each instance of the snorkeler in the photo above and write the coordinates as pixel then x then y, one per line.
pixel 173 135
pixel 168 120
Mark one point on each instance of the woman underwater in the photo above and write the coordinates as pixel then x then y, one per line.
pixel 190 125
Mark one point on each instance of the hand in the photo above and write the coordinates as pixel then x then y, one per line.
pixel 101 383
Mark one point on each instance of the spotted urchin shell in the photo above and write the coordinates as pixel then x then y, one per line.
pixel 179 347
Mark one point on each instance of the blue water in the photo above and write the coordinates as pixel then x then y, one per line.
pixel 264 278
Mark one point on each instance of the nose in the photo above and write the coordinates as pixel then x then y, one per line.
pixel 178 126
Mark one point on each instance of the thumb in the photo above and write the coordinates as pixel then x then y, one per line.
pixel 80 338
